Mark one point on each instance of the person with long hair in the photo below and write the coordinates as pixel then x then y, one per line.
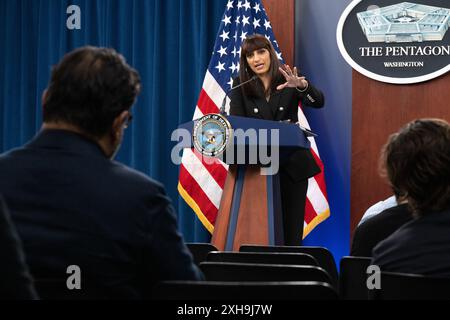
pixel 416 162
pixel 275 94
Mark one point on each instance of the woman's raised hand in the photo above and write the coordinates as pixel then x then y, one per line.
pixel 293 80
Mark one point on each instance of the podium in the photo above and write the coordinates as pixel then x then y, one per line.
pixel 250 207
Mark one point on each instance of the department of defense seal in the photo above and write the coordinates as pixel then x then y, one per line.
pixel 212 134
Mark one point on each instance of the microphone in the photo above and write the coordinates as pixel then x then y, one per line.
pixel 222 108
pixel 307 132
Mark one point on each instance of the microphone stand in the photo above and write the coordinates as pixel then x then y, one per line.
pixel 222 108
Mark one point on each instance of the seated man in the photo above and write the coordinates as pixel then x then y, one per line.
pixel 377 208
pixel 73 205
pixel 16 280
pixel 377 228
pixel 417 161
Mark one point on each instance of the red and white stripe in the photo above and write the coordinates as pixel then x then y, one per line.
pixel 317 208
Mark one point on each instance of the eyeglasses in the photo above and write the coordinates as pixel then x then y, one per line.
pixel 128 121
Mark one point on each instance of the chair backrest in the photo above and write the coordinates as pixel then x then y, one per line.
pixel 353 278
pixel 230 271
pixel 288 258
pixel 403 286
pixel 260 291
pixel 56 289
pixel 200 250
pixel 322 255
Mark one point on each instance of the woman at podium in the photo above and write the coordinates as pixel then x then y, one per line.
pixel 273 92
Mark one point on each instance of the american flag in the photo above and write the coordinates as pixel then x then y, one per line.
pixel 201 182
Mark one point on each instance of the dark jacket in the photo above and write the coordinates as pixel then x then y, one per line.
pixel 74 206
pixel 282 105
pixel 378 228
pixel 16 281
pixel 421 246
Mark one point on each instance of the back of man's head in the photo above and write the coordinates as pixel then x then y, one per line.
pixel 417 162
pixel 89 88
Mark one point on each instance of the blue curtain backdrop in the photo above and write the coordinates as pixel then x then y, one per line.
pixel 168 41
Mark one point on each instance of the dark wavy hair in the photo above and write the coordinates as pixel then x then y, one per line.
pixel 416 161
pixel 256 88
pixel 89 88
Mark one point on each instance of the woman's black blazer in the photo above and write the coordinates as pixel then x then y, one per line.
pixel 282 105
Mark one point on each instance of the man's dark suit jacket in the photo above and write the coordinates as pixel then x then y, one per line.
pixel 378 228
pixel 73 206
pixel 282 105
pixel 16 282
pixel 421 246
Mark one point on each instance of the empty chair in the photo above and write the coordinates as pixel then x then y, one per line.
pixel 322 255
pixel 263 258
pixel 229 271
pixel 260 291
pixel 200 250
pixel 403 286
pixel 353 278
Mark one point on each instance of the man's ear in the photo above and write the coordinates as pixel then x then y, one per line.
pixel 119 122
